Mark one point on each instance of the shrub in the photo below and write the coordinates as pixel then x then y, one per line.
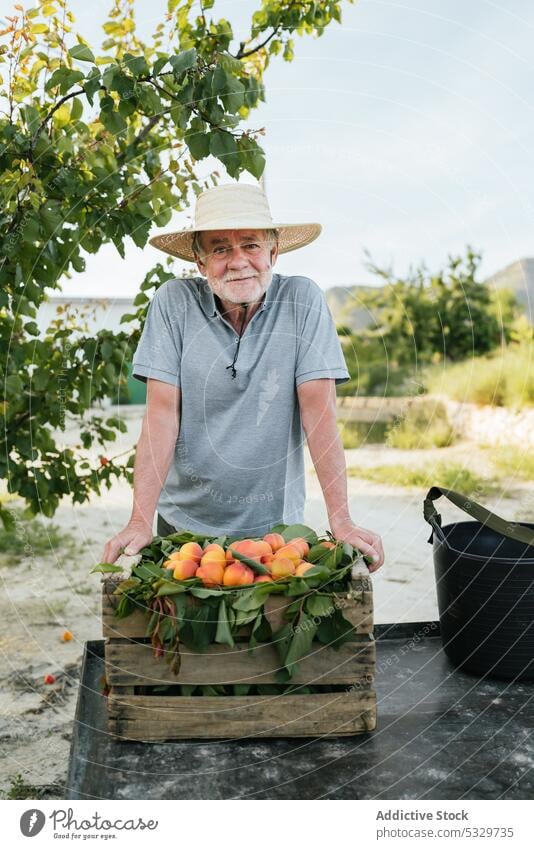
pixel 423 425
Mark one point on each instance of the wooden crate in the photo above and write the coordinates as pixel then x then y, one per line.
pixel 349 707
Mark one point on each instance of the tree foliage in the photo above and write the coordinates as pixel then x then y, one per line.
pixel 98 146
pixel 427 318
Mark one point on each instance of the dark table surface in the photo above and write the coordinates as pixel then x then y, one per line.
pixel 441 734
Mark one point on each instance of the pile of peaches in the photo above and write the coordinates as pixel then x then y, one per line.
pixel 216 567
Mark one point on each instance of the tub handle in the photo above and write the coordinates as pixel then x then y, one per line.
pixel 514 530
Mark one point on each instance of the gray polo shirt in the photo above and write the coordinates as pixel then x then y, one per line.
pixel 238 466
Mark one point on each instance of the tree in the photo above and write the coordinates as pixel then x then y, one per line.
pixel 448 315
pixel 95 148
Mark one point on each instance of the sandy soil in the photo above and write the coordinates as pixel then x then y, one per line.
pixel 43 596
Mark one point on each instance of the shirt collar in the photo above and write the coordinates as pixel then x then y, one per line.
pixel 208 298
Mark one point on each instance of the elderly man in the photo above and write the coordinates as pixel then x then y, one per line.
pixel 239 365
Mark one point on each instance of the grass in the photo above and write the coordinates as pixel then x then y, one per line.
pixel 19 789
pixel 32 538
pixel 356 434
pixel 502 379
pixel 447 475
pixel 423 425
pixel 514 462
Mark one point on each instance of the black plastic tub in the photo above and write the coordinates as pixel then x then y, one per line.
pixel 485 588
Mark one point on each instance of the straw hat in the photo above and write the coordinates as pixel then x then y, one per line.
pixel 234 206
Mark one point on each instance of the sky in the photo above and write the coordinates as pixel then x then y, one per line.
pixel 406 131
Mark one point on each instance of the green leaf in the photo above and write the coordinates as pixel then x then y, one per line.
pixel 106 567
pixel 224 147
pixel 301 641
pixel 257 567
pixel 320 605
pixel 251 599
pixel 201 592
pixel 183 62
pixel 292 531
pixel 223 634
pixel 82 53
pixel 335 630
pixel 170 588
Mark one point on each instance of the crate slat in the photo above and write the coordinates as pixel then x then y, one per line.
pixel 134 663
pixel 159 718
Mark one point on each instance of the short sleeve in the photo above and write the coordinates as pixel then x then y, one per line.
pixel 319 352
pixel 159 352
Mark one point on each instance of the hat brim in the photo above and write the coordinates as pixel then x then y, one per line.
pixel 290 238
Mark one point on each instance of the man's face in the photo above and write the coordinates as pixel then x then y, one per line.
pixel 237 263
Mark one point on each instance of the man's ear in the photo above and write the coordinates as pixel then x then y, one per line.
pixel 274 254
pixel 200 265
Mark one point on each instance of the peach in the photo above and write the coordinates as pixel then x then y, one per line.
pixel 288 552
pixel 237 574
pixel 184 569
pixel 302 568
pixel 262 548
pixel 301 544
pixel 282 567
pixel 267 559
pixel 276 541
pixel 262 579
pixel 328 544
pixel 213 546
pixel 250 548
pixel 211 574
pixel 214 555
pixel 175 555
pixel 190 551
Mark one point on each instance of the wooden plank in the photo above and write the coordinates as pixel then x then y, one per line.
pixel 358 611
pixel 130 663
pixel 158 718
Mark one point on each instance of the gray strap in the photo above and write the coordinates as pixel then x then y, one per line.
pixel 481 514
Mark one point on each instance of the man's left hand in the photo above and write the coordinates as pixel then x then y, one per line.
pixel 365 541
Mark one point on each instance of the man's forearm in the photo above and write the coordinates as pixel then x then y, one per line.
pixel 326 450
pixel 153 457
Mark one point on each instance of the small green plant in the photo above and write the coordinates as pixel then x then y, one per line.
pixel 32 538
pixel 448 475
pixel 19 789
pixel 423 425
pixel 514 462
pixel 356 434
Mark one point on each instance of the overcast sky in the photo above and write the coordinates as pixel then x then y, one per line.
pixel 408 130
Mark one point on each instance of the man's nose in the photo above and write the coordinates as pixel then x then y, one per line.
pixel 237 257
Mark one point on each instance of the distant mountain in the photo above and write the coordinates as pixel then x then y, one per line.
pixel 346 307
pixel 519 277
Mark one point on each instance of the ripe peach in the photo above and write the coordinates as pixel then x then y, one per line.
pixel 301 544
pixel 175 555
pixel 288 552
pixel 250 548
pixel 262 548
pixel 328 544
pixel 237 574
pixel 282 567
pixel 214 555
pixel 211 574
pixel 184 569
pixel 190 551
pixel 213 546
pixel 302 568
pixel 276 541
pixel 262 579
pixel 267 559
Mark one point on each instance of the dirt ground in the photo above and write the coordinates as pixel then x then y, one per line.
pixel 45 594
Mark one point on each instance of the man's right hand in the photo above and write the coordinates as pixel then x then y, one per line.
pixel 129 541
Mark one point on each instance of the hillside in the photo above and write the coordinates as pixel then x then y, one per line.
pixel 519 277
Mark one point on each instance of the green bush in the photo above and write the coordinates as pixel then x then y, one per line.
pixel 423 425
pixel 505 378
pixel 356 434
pixel 512 461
